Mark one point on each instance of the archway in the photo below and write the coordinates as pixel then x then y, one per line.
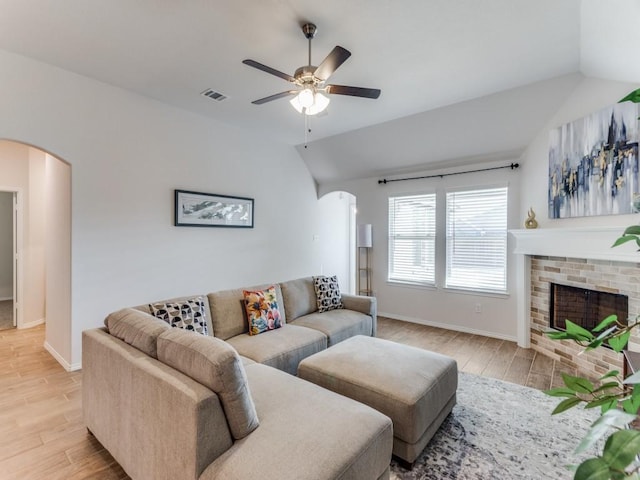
pixel 337 220
pixel 43 183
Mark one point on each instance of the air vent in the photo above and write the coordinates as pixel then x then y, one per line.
pixel 214 95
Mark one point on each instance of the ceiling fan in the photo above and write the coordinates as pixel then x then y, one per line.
pixel 311 81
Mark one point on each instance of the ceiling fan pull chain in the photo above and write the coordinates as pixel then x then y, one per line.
pixel 306 130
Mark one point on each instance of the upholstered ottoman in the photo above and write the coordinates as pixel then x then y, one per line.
pixel 414 387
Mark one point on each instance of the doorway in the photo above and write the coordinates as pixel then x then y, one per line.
pixel 8 245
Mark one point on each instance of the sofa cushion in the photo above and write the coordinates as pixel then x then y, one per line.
pixel 136 328
pixel 146 308
pixel 337 325
pixel 216 365
pixel 283 348
pixel 327 293
pixel 188 314
pixel 262 310
pixel 327 435
pixel 299 297
pixel 228 315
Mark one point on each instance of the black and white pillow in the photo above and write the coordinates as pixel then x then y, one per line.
pixel 327 293
pixel 189 314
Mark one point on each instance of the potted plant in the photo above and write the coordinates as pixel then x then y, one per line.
pixel 617 398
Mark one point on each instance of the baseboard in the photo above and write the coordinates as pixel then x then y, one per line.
pixel 31 324
pixel 448 326
pixel 66 365
pixel 2 299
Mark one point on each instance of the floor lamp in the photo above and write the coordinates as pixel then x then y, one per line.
pixel 364 242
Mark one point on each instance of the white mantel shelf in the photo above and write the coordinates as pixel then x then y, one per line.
pixel 584 242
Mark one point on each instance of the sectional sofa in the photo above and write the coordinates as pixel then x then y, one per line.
pixel 171 404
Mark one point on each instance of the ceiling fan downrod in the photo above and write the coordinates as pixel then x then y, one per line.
pixel 309 30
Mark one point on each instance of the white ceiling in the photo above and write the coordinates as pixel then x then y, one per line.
pixel 436 61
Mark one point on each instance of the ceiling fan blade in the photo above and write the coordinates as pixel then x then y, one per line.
pixel 272 71
pixel 330 64
pixel 353 91
pixel 273 97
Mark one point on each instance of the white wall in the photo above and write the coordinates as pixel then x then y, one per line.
pixel 33 254
pixel 57 225
pixel 335 237
pixel 437 306
pixel 22 170
pixel 6 245
pixel 590 96
pixel 128 153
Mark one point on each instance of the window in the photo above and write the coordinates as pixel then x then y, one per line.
pixel 412 231
pixel 477 240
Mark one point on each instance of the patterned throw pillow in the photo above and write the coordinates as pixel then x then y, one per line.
pixel 262 310
pixel 189 314
pixel 327 293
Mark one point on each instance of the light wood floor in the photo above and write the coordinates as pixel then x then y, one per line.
pixel 42 435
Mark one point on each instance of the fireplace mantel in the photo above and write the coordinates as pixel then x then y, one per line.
pixel 592 243
pixel 584 242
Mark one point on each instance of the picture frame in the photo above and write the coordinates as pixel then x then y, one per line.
pixel 199 209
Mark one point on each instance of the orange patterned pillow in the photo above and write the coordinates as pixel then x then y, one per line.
pixel 262 310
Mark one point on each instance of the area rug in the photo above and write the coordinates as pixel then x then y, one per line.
pixel 500 430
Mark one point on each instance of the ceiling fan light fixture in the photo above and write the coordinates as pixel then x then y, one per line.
pixel 309 102
pixel 306 97
pixel 321 102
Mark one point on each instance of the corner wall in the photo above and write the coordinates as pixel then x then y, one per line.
pixel 128 153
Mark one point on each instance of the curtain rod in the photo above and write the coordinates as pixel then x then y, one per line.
pixel 511 166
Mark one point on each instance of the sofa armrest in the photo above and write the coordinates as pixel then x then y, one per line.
pixel 155 421
pixel 362 304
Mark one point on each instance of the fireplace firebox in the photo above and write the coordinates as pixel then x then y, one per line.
pixel 583 307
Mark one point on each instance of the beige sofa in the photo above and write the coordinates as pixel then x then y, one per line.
pixel 171 404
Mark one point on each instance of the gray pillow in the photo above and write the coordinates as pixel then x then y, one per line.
pixel 215 364
pixel 136 328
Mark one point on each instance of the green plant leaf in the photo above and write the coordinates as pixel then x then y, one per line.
pixel 632 404
pixel 611 419
pixel 578 332
pixel 606 322
pixel 606 386
pixel 560 392
pixel 566 404
pixel 558 335
pixel 621 448
pixel 623 239
pixel 611 404
pixel 632 230
pixel 632 97
pixel 577 384
pixel 610 373
pixel 593 469
pixel 606 400
pixel 620 341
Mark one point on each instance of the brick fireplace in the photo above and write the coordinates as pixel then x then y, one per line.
pixel 581 258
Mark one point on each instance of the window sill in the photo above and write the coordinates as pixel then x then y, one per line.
pixel 419 286
pixel 477 293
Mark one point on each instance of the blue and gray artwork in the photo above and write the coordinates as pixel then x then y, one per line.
pixel 593 164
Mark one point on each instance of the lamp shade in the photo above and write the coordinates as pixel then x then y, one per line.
pixel 363 236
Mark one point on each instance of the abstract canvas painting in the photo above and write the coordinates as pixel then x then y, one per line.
pixel 197 209
pixel 593 164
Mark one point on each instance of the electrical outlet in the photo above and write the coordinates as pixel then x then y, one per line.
pixel 478 308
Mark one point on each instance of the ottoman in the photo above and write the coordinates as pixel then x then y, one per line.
pixel 414 387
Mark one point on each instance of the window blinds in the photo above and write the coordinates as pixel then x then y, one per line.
pixel 477 240
pixel 412 230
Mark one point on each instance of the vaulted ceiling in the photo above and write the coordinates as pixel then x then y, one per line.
pixel 462 69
